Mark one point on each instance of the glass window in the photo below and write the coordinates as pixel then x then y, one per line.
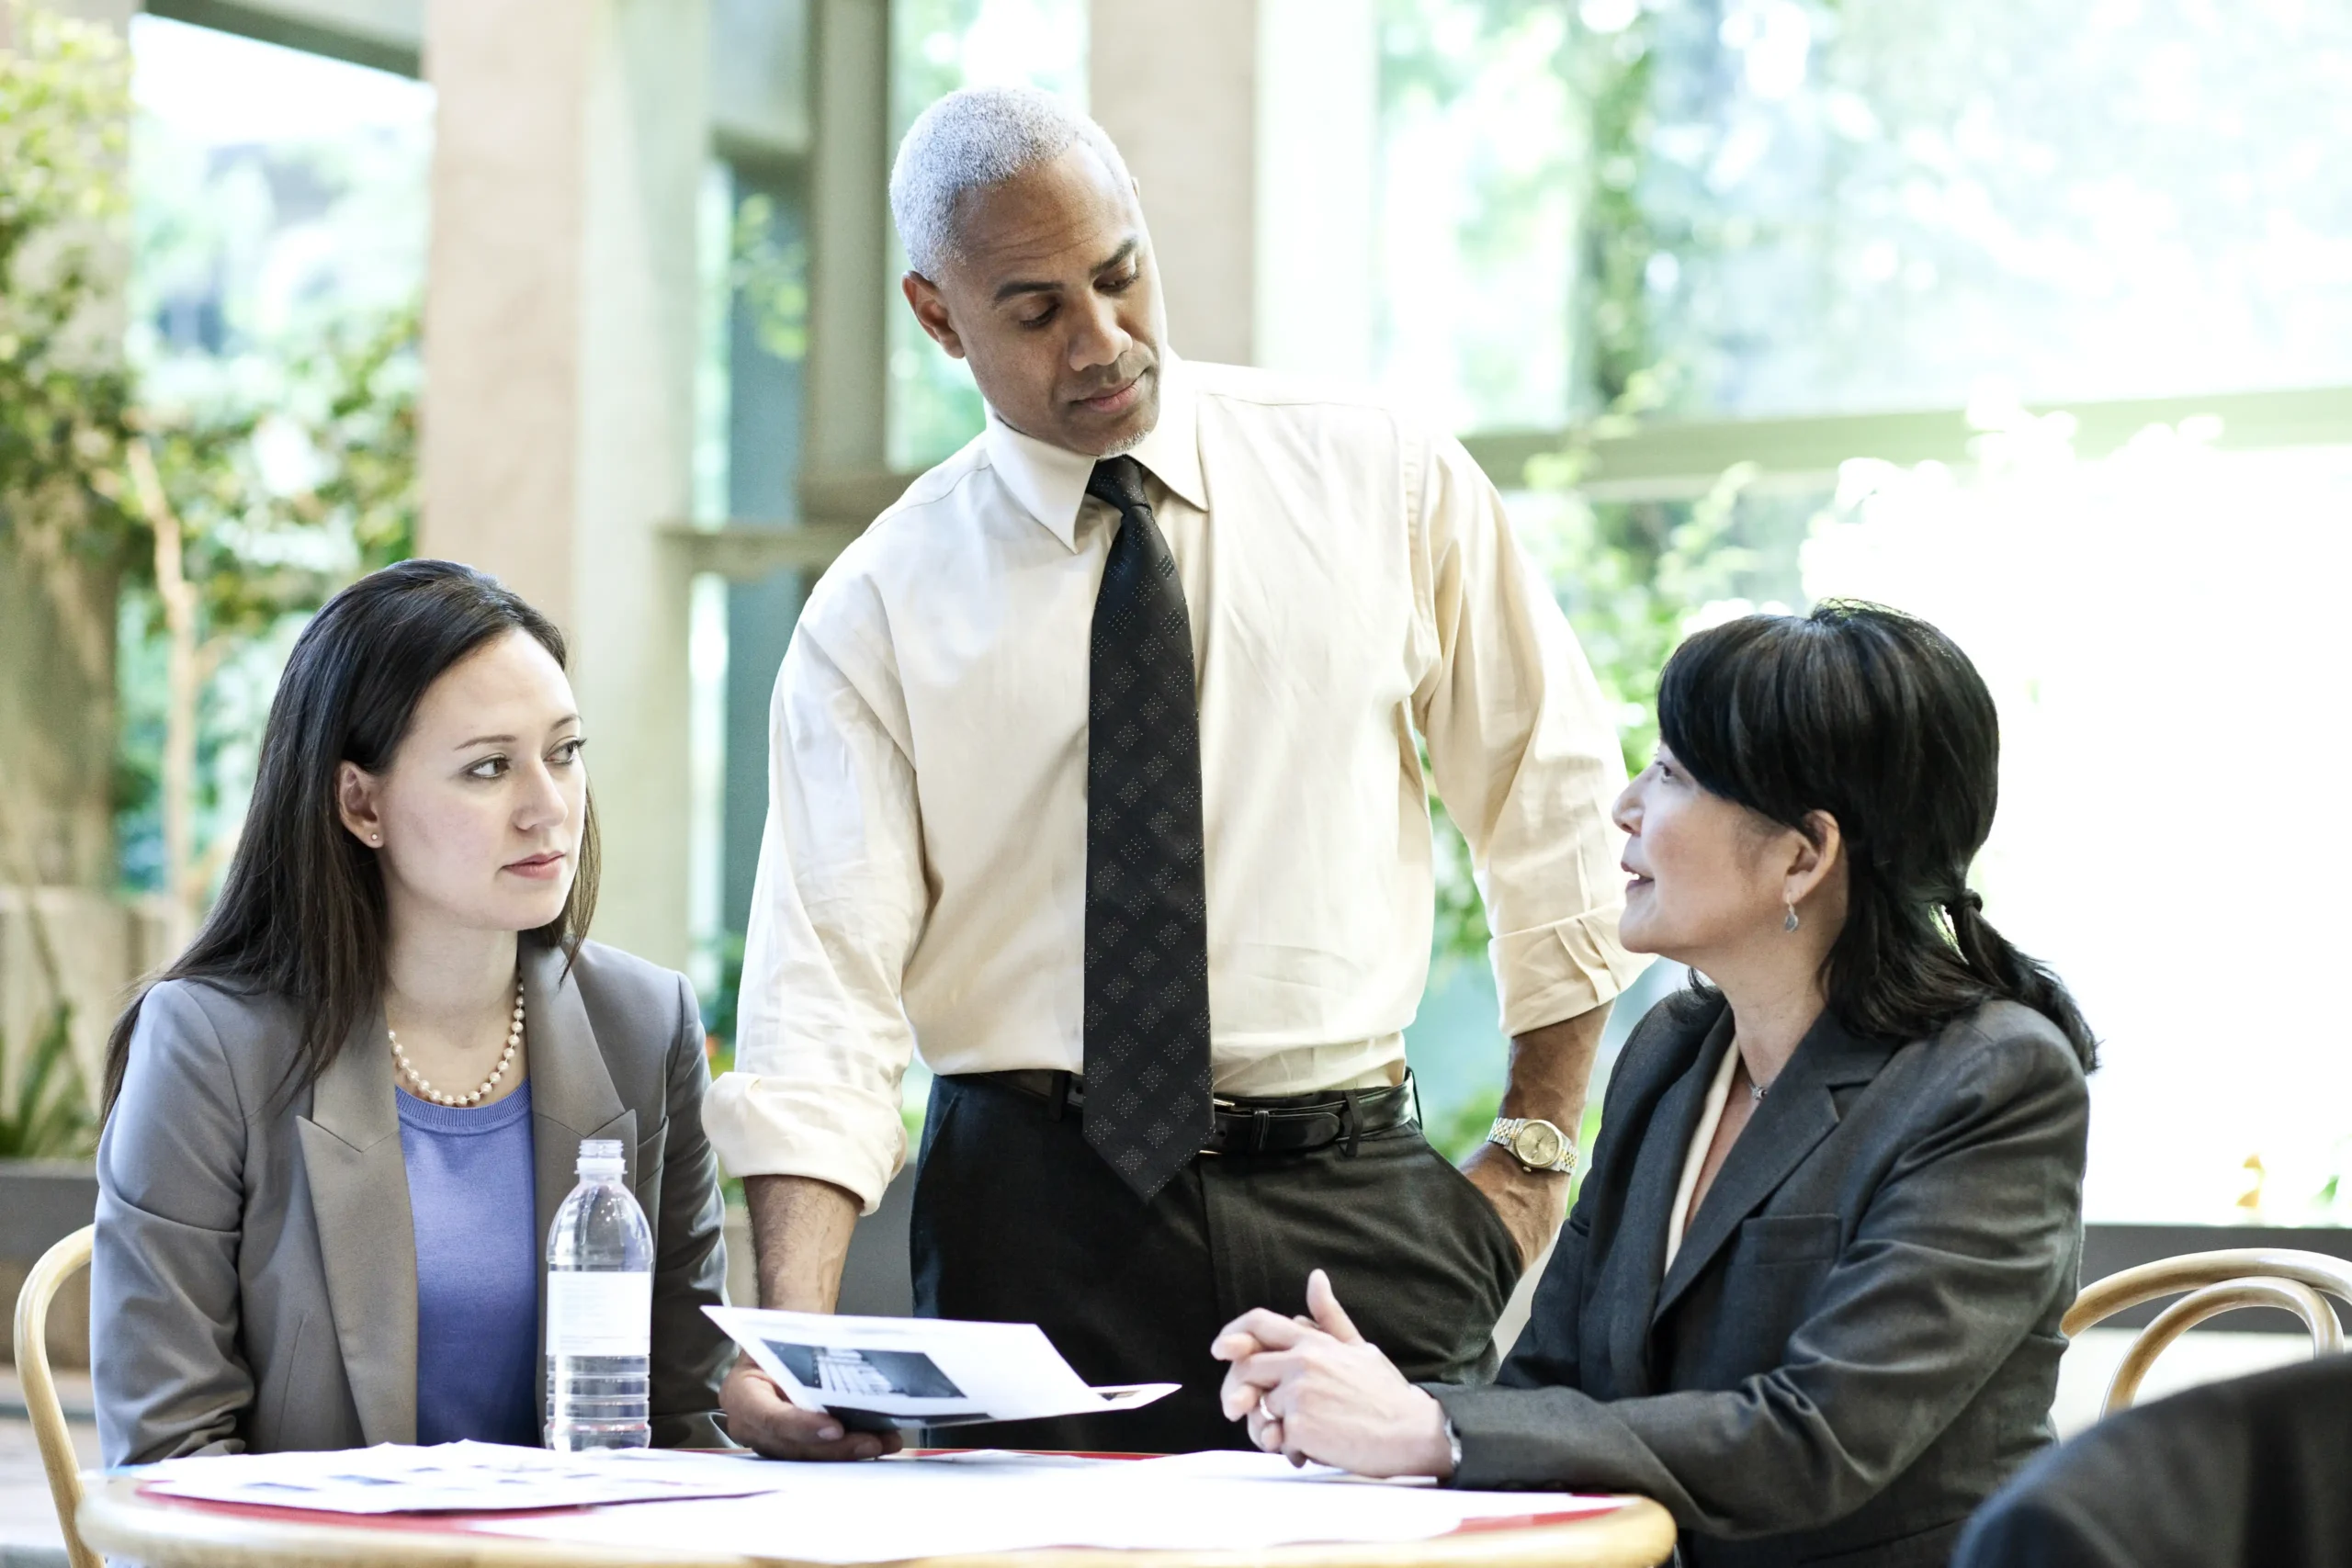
pixel 2160 628
pixel 280 201
pixel 1477 197
pixel 1798 207
pixel 1856 206
pixel 937 46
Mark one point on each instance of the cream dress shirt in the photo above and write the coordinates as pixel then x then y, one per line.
pixel 1354 583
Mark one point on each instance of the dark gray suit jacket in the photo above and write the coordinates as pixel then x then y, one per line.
pixel 2248 1473
pixel 253 1284
pixel 1858 1342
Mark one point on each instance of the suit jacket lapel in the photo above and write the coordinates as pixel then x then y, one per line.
pixel 1795 1116
pixel 358 1180
pixel 572 1096
pixel 1639 1254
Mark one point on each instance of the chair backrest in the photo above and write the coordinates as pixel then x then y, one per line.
pixel 58 1264
pixel 2215 1282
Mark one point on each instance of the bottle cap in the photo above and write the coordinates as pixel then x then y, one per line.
pixel 601 1159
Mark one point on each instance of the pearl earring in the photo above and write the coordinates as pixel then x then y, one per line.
pixel 1792 922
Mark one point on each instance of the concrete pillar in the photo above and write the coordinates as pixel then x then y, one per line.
pixel 1176 86
pixel 559 331
pixel 1249 126
pixel 851 286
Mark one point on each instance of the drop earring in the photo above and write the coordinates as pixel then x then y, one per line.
pixel 1792 922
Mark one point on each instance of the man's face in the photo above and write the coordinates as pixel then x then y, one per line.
pixel 1054 299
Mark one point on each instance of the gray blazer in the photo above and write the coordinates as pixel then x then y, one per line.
pixel 1859 1340
pixel 254 1285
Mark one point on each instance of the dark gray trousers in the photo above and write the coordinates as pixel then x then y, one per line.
pixel 1018 1220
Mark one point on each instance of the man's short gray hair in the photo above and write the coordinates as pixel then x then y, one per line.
pixel 978 137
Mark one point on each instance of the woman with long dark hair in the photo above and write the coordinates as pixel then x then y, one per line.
pixel 339 1126
pixel 1809 1292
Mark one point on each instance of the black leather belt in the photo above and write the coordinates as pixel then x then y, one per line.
pixel 1287 1125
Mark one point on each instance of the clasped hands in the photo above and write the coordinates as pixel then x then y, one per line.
pixel 1314 1388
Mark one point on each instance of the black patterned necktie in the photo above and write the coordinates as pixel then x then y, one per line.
pixel 1148 1110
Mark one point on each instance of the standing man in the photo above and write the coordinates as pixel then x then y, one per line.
pixel 1094 778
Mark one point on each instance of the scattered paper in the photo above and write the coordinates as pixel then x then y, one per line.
pixel 395 1478
pixel 875 1372
pixel 930 1506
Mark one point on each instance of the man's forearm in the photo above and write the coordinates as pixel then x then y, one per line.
pixel 1551 1070
pixel 800 1231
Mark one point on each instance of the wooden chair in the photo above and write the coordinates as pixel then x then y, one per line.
pixel 2216 1283
pixel 57 1265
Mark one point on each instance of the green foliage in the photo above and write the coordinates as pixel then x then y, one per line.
pixel 768 277
pixel 282 499
pixel 1616 240
pixel 45 1112
pixel 260 546
pixel 64 96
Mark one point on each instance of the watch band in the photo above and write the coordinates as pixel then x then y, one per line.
pixel 1506 1132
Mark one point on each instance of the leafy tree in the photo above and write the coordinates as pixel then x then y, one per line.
pixel 64 397
pixel 187 498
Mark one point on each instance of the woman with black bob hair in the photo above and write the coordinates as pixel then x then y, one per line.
pixel 1809 1295
pixel 340 1124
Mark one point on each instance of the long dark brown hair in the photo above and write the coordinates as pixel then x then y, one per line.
pixel 1878 719
pixel 302 911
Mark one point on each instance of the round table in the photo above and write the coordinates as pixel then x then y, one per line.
pixel 118 1518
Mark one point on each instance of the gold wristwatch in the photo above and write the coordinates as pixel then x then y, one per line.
pixel 1534 1143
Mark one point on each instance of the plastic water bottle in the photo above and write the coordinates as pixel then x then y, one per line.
pixel 600 1310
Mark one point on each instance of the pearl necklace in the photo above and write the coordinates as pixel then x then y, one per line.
pixel 426 1090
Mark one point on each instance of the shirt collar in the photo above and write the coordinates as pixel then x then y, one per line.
pixel 1049 481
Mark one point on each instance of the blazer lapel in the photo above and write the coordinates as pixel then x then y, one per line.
pixel 1639 1254
pixel 1795 1116
pixel 358 1180
pixel 572 1097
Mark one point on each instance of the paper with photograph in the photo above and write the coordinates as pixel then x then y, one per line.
pixel 875 1372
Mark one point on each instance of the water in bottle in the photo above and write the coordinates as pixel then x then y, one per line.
pixel 600 1310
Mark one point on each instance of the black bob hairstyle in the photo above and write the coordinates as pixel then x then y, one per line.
pixel 1877 719
pixel 302 911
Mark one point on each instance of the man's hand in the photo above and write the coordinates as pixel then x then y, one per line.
pixel 1313 1388
pixel 759 1417
pixel 1532 1202
pixel 800 1231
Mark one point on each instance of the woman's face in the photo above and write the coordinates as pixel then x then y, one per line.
pixel 1708 875
pixel 477 821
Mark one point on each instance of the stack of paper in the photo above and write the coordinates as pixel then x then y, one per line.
pixel 459 1477
pixel 890 1510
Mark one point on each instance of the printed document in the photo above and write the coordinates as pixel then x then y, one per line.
pixel 875 1373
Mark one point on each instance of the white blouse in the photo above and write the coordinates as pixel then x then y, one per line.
pixel 1711 1117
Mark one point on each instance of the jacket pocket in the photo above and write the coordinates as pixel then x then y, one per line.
pixel 1788 1238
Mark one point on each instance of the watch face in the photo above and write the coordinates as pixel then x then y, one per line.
pixel 1537 1144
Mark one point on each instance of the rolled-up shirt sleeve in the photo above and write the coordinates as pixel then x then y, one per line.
pixel 1523 751
pixel 822 1037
